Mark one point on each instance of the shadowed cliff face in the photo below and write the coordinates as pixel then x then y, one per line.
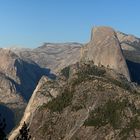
pixel 134 69
pixel 29 74
pixel 131 50
pixel 20 76
pixel 18 79
pixel 104 49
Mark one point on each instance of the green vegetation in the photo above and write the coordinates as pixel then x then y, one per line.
pixel 131 126
pixel 113 113
pixel 110 113
pixel 88 69
pixel 122 84
pixel 100 88
pixel 87 72
pixel 77 107
pixel 81 101
pixel 66 71
pixel 42 107
pixel 61 101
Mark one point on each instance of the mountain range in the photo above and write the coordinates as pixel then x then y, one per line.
pixel 61 90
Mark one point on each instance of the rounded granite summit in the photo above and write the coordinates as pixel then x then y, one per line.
pixel 104 49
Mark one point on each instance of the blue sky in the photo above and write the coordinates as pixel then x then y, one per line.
pixel 29 23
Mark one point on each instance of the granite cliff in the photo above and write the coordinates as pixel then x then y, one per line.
pixel 18 79
pixel 104 49
pixel 90 77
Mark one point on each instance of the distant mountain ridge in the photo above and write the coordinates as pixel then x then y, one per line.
pixel 22 68
pixel 52 55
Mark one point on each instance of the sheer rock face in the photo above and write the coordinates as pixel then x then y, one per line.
pixel 17 75
pixel 18 79
pixel 8 79
pixel 104 49
pixel 43 93
pixel 7 62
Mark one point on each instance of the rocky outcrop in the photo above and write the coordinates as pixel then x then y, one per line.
pixel 104 49
pixel 91 104
pixel 9 81
pixel 18 79
pixel 44 92
pixel 21 69
pixel 18 75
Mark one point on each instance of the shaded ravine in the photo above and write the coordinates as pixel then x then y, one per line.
pixel 8 115
pixel 25 87
pixel 29 111
pixel 134 69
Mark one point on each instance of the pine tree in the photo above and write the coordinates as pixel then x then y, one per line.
pixel 24 133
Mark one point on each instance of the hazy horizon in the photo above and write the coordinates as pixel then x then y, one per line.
pixel 31 23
